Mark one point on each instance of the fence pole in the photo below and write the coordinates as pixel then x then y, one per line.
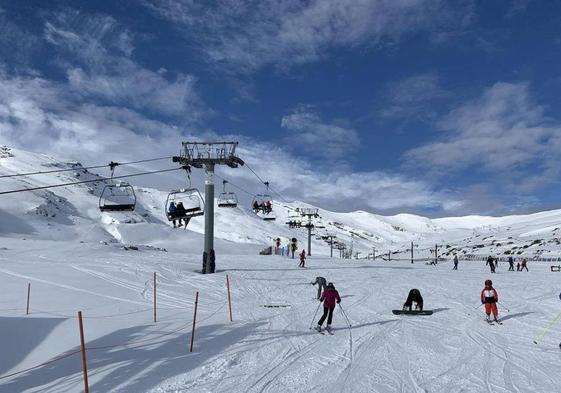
pixel 229 297
pixel 194 321
pixel 154 297
pixel 28 295
pixel 83 350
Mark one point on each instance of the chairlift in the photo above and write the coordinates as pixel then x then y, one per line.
pixel 187 203
pixel 190 199
pixel 227 199
pixel 262 205
pixel 117 197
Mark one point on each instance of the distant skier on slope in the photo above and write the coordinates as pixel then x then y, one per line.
pixel 302 258
pixel 329 297
pixel 455 262
pixel 322 283
pixel 510 264
pixel 491 263
pixel 414 296
pixel 489 297
pixel 524 264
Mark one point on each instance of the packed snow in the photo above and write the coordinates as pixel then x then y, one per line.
pixel 102 264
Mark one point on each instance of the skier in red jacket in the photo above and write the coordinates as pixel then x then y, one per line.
pixel 489 297
pixel 329 297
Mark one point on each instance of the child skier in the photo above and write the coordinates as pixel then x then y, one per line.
pixel 329 297
pixel 302 258
pixel 489 297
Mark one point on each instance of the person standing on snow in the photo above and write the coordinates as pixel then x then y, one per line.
pixel 455 262
pixel 523 266
pixel 329 297
pixel 322 283
pixel 491 263
pixel 302 258
pixel 510 264
pixel 489 297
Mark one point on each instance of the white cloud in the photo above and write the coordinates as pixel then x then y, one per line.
pixel 307 132
pixel 102 49
pixel 250 34
pixel 45 116
pixel 503 132
pixel 413 96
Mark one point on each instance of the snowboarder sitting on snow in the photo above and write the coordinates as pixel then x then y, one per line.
pixel 321 282
pixel 489 297
pixel 414 296
pixel 329 297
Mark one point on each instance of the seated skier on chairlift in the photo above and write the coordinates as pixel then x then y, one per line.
pixel 268 207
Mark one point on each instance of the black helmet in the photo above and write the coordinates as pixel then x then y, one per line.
pixel 488 283
pixel 330 285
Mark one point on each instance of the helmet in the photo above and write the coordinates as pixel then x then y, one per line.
pixel 488 283
pixel 330 285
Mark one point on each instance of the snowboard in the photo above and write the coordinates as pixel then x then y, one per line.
pixel 412 312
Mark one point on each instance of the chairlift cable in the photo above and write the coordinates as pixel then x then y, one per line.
pixel 264 182
pixel 88 181
pixel 86 168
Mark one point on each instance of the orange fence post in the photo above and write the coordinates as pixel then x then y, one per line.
pixel 154 297
pixel 194 321
pixel 229 297
pixel 28 294
pixel 83 350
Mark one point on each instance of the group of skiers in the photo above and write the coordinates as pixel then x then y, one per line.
pixel 265 207
pixel 493 262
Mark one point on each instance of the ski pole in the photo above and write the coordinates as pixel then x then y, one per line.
pixel 345 315
pixel 314 317
pixel 503 306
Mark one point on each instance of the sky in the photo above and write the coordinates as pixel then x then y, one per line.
pixel 439 108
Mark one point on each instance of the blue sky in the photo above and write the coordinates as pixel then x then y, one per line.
pixel 432 107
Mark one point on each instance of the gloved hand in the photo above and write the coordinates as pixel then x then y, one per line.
pixel 483 302
pixel 338 301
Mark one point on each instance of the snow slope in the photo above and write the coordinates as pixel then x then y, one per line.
pixel 77 258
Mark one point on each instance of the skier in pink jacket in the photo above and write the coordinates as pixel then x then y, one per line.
pixel 329 297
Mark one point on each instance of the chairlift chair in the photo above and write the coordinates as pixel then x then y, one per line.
pixel 227 199
pixel 192 201
pixel 118 197
pixel 259 205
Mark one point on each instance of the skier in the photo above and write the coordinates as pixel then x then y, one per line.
pixel 455 262
pixel 302 258
pixel 172 212
pixel 489 297
pixel 414 296
pixel 329 297
pixel 321 282
pixel 293 247
pixel 491 263
pixel 523 266
pixel 510 264
pixel 518 267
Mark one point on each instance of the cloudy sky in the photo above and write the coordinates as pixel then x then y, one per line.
pixel 435 107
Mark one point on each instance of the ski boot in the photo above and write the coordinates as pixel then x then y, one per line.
pixel 328 328
pixel 318 328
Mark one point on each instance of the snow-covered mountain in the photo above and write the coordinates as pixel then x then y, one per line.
pixel 57 244
pixel 72 212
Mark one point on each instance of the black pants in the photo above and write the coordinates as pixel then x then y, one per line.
pixel 524 267
pixel 327 313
